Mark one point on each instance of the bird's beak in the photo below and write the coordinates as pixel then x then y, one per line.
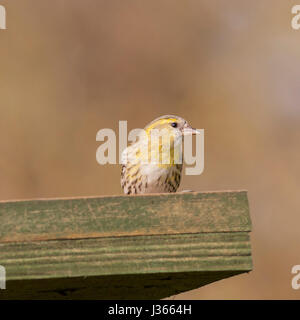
pixel 189 131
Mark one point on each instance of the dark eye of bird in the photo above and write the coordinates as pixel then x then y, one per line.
pixel 174 124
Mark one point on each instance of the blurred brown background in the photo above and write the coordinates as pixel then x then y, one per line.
pixel 69 68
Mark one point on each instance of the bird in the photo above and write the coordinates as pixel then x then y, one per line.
pixel 154 165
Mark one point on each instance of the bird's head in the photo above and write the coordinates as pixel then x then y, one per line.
pixel 171 125
pixel 162 139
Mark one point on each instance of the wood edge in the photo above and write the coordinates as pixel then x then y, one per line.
pixel 123 196
pixel 102 235
pixel 34 278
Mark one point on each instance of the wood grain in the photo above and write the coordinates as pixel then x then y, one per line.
pixel 124 216
pixel 125 255
pixel 123 247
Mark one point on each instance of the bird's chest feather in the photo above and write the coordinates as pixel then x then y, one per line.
pixel 161 179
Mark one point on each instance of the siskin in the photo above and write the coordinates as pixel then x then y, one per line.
pixel 153 164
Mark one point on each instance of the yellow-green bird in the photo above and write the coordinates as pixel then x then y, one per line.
pixel 154 165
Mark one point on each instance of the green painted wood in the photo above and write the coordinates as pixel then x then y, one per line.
pixel 127 247
pixel 123 267
pixel 125 255
pixel 124 216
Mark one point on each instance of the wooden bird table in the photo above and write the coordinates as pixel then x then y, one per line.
pixel 123 247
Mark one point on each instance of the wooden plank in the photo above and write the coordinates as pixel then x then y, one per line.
pixel 158 266
pixel 124 216
pixel 124 255
pixel 149 246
